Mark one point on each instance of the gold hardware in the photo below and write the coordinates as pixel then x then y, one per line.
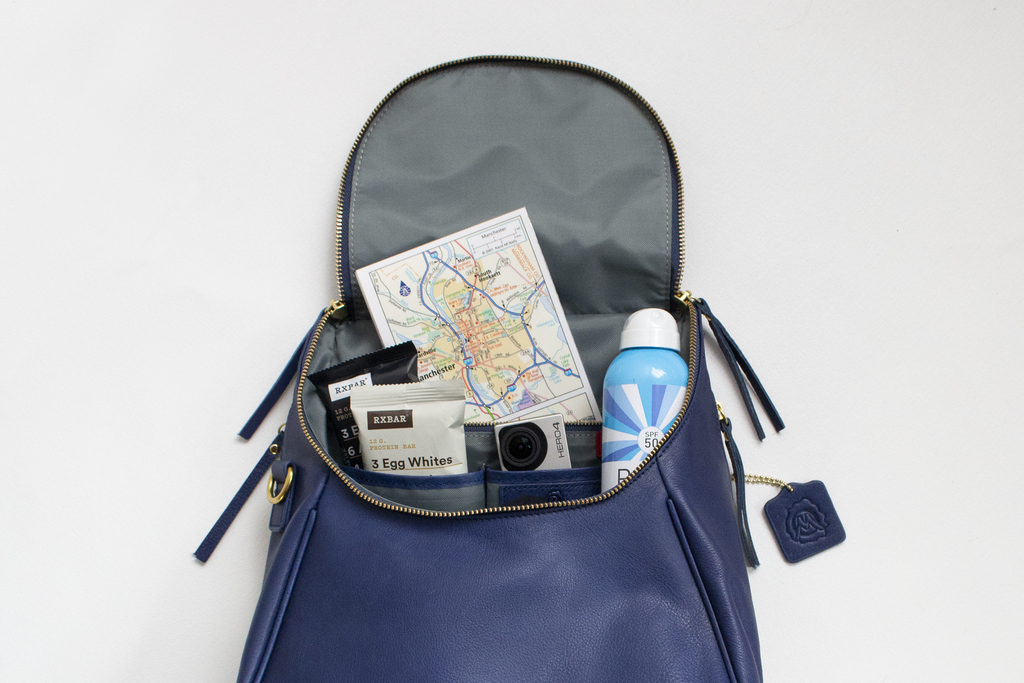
pixel 337 310
pixel 723 419
pixel 273 449
pixel 281 428
pixel 686 297
pixel 276 498
pixel 359 492
pixel 761 479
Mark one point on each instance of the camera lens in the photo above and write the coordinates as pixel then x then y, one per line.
pixel 522 447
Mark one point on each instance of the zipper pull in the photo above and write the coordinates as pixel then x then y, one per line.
pixel 212 539
pixel 276 392
pixel 291 369
pixel 741 499
pixel 336 310
pixel 739 365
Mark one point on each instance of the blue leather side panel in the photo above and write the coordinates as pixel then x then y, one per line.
pixel 602 592
pixel 277 585
pixel 282 605
pixel 592 593
pixel 696 474
pixel 700 587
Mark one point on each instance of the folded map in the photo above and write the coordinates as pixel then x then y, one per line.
pixel 480 307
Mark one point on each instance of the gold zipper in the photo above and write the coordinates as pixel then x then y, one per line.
pixel 568 423
pixel 339 219
pixel 337 309
pixel 351 484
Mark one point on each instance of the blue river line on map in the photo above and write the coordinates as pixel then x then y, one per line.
pixel 467 357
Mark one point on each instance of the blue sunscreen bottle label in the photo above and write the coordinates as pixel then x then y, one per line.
pixel 636 417
pixel 643 393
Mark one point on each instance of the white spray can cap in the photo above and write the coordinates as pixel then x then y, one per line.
pixel 650 327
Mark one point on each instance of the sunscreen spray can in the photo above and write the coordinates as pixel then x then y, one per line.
pixel 643 392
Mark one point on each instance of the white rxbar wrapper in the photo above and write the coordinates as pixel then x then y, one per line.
pixel 412 428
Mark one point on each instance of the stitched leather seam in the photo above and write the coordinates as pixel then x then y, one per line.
pixel 696 370
pixel 677 518
pixel 580 507
pixel 699 581
pixel 654 463
pixel 285 595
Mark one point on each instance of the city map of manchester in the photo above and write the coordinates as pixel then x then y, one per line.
pixel 479 307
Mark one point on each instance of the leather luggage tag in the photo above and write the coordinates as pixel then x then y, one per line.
pixel 804 520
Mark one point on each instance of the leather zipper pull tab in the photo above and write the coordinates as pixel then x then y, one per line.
pixel 741 499
pixel 740 366
pixel 291 369
pixel 212 539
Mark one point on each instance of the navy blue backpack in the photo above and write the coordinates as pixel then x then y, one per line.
pixel 377 577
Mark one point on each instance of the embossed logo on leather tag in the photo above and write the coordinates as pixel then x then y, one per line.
pixel 804 521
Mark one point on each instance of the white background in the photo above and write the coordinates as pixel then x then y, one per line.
pixel 854 205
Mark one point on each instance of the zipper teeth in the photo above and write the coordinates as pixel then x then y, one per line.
pixel 339 267
pixel 356 489
pixel 339 219
pixel 568 423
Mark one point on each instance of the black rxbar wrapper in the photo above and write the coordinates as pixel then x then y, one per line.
pixel 393 365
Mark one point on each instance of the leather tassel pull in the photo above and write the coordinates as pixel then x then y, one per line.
pixel 212 539
pixel 741 498
pixel 742 372
pixel 277 391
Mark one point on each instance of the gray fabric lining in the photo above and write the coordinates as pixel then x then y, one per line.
pixel 442 500
pixel 504 487
pixel 463 145
pixel 598 340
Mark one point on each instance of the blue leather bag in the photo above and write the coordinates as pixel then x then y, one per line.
pixel 494 575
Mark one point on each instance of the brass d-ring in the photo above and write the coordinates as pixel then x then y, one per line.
pixel 276 498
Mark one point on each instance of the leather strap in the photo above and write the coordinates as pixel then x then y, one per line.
pixel 275 393
pixel 209 543
pixel 291 369
pixel 740 366
pixel 741 499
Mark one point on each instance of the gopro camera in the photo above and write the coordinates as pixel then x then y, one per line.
pixel 537 444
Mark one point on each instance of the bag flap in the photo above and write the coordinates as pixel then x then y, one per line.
pixel 470 140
